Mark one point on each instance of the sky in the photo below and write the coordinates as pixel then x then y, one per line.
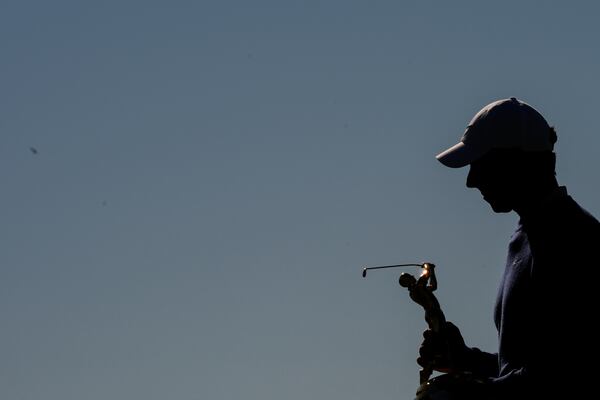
pixel 210 177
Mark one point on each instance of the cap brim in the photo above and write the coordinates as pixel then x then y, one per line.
pixel 459 155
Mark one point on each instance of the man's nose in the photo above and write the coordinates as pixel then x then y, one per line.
pixel 472 179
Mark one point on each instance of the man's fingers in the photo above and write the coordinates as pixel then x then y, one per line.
pixel 425 352
pixel 425 362
pixel 434 363
pixel 439 349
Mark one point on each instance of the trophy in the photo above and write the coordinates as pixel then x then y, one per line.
pixel 420 290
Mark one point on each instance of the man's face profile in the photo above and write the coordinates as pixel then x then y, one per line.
pixel 493 174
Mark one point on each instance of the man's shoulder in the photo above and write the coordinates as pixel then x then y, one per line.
pixel 563 223
pixel 571 228
pixel 579 216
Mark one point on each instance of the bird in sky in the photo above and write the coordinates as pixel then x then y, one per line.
pixel 33 150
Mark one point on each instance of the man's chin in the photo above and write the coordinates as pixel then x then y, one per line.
pixel 499 207
pixel 501 210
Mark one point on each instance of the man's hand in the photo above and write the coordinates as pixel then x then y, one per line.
pixel 445 351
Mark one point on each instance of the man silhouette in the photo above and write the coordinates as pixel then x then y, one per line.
pixel 546 303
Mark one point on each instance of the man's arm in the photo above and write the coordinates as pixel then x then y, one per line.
pixel 481 363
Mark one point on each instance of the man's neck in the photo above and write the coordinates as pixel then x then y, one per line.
pixel 534 197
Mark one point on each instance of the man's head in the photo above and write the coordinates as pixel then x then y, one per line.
pixel 509 147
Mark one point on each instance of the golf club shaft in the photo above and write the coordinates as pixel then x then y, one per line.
pixel 364 272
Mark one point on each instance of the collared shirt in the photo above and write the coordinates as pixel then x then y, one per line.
pixel 546 301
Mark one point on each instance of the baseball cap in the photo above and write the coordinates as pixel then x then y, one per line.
pixel 507 123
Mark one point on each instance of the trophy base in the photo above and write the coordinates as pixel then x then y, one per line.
pixel 446 387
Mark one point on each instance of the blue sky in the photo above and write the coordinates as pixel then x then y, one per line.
pixel 212 176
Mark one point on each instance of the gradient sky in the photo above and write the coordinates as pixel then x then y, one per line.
pixel 211 176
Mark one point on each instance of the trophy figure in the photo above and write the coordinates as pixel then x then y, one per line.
pixel 421 291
